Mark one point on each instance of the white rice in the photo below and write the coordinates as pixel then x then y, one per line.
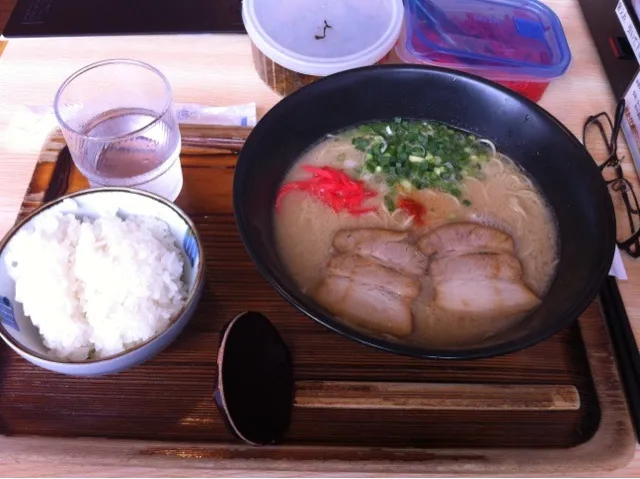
pixel 95 288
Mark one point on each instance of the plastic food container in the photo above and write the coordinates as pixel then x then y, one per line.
pixel 296 42
pixel 517 43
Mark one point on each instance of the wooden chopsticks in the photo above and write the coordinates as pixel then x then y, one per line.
pixel 211 139
pixel 435 396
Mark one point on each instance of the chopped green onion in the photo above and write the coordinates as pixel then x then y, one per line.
pixel 420 154
pixel 388 201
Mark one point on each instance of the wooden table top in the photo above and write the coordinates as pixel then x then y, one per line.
pixel 217 70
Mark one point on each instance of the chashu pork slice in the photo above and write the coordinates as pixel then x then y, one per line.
pixel 388 247
pixel 465 237
pixel 370 273
pixel 476 266
pixel 366 305
pixel 484 296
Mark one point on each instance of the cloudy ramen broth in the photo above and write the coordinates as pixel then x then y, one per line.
pixel 497 194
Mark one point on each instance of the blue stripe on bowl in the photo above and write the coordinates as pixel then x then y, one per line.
pixel 190 246
pixel 6 314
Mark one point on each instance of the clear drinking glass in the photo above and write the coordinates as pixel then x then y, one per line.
pixel 118 121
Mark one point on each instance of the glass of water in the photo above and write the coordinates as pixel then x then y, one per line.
pixel 118 121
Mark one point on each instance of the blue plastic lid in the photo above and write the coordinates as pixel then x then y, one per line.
pixel 524 37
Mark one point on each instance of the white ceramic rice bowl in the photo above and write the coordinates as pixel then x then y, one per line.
pixel 22 336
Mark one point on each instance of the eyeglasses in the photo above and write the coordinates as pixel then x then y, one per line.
pixel 600 136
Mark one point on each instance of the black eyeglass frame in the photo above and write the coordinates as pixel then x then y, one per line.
pixel 620 184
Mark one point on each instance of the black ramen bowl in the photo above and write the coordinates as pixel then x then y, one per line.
pixel 540 144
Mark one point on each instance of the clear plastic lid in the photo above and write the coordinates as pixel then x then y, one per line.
pixel 503 37
pixel 321 37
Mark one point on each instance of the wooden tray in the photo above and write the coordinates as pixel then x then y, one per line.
pixel 555 407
